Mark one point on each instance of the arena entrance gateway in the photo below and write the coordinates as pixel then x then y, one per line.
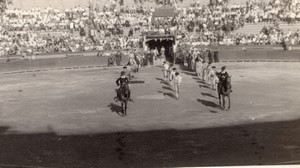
pixel 161 33
pixel 158 42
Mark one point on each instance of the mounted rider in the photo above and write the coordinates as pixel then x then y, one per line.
pixel 121 81
pixel 223 75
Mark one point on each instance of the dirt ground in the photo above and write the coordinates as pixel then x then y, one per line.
pixel 69 119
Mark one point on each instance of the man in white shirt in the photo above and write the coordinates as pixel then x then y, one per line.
pixel 172 77
pixel 213 78
pixel 165 70
pixel 177 82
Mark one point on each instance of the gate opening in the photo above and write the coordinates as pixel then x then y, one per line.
pixel 166 43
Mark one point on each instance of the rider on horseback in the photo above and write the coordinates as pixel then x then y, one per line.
pixel 223 75
pixel 121 81
pixel 224 87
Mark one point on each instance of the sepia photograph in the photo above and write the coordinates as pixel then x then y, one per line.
pixel 149 83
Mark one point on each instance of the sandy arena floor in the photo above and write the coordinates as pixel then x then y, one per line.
pixel 191 131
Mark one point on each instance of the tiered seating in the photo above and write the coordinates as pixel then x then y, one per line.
pixel 187 3
pixel 149 4
pixel 242 2
pixel 63 4
pixel 129 3
pixel 255 28
pixel 292 27
pixel 135 33
pixel 58 4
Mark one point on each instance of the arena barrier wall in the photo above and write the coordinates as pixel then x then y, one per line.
pixel 90 59
pixel 270 53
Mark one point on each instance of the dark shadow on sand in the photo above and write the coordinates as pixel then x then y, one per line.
pixel 208 103
pixel 162 81
pixel 204 86
pixel 209 146
pixel 170 95
pixel 137 82
pixel 167 88
pixel 185 68
pixel 201 82
pixel 209 95
pixel 189 73
pixel 116 109
pixel 212 111
pixel 197 78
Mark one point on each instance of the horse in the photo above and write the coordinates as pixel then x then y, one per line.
pixel 224 90
pixel 133 64
pixel 123 95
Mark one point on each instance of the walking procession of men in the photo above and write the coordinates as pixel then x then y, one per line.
pixel 173 77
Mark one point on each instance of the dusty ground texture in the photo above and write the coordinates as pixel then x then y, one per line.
pixel 69 119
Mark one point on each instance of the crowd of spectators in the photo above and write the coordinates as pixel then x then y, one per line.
pixel 78 29
pixel 214 23
pixel 86 29
pixel 269 35
pixel 228 17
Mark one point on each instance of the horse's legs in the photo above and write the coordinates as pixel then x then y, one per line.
pixel 219 99
pixel 122 104
pixel 125 111
pixel 228 102
pixel 223 106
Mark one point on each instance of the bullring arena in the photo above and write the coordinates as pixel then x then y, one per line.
pixel 58 109
pixel 67 117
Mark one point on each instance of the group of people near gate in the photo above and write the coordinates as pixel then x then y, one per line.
pixel 172 76
pixel 137 57
pixel 205 72
pixel 209 74
pixel 201 63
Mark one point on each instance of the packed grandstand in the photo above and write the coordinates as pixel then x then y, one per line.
pixel 117 26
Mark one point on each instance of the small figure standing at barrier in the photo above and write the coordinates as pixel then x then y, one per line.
pixel 118 58
pixel 110 61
